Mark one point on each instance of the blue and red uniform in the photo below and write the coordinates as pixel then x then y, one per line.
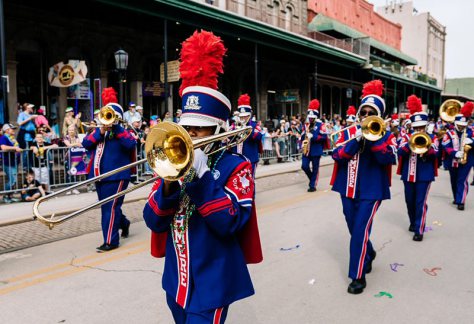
pixel 362 175
pixel 208 241
pixel 459 173
pixel 108 152
pixel 317 144
pixel 252 146
pixel 417 172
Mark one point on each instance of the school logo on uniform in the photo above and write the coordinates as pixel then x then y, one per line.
pixel 242 182
pixel 192 103
pixel 216 174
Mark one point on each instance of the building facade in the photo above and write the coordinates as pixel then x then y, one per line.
pixel 423 37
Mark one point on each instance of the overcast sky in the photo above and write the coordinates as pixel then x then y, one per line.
pixel 457 16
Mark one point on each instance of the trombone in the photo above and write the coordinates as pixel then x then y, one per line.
pixel 420 143
pixel 170 153
pixel 373 129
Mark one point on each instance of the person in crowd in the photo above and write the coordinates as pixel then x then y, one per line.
pixel 40 118
pixel 26 134
pixel 71 140
pixel 10 157
pixel 279 139
pixel 70 119
pixel 32 189
pixel 178 115
pixel 417 169
pixel 295 138
pixel 131 113
pixel 458 160
pixel 137 133
pixel 361 176
pixel 41 163
pixel 205 225
pixel 111 147
pixel 47 133
pixel 167 117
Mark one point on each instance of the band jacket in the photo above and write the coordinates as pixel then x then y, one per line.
pixel 452 144
pixel 212 269
pixel 109 152
pixel 318 141
pixel 362 169
pixel 252 145
pixel 415 167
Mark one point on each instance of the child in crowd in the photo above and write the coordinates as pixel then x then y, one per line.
pixel 32 189
pixel 40 160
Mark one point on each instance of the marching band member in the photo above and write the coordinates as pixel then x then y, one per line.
pixel 417 170
pixel 111 147
pixel 205 224
pixel 361 175
pixel 395 126
pixel 351 116
pixel 454 143
pixel 252 146
pixel 316 139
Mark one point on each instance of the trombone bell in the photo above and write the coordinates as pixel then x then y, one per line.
pixel 107 116
pixel 449 109
pixel 420 143
pixel 373 128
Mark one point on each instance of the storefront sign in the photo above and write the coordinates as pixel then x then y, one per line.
pixel 289 95
pixel 66 75
pixel 173 71
pixel 80 90
pixel 153 89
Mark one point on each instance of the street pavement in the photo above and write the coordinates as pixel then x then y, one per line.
pixel 303 278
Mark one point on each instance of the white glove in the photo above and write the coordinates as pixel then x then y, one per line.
pixel 467 141
pixel 200 162
pixel 459 155
pixel 309 136
pixel 358 134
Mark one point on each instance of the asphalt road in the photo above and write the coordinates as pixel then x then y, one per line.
pixel 303 278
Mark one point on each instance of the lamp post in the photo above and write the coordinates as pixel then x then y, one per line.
pixel 121 63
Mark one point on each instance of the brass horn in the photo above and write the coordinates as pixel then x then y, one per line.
pixel 373 129
pixel 449 109
pixel 419 143
pixel 107 116
pixel 169 152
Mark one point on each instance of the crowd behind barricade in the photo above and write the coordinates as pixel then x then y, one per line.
pixel 38 155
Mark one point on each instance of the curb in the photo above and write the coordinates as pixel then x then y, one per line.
pixel 295 168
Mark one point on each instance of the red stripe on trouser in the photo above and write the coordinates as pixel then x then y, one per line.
pixel 466 188
pixel 366 238
pixel 217 316
pixel 423 218
pixel 112 215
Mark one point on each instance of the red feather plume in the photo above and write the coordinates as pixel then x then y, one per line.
pixel 374 87
pixel 201 60
pixel 109 95
pixel 244 100
pixel 467 109
pixel 313 104
pixel 351 111
pixel 414 104
pixel 394 117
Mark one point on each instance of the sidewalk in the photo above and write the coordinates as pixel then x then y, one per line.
pixel 21 212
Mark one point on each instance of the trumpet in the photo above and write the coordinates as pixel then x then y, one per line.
pixel 373 129
pixel 169 152
pixel 449 109
pixel 420 143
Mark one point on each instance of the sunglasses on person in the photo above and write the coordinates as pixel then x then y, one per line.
pixel 367 112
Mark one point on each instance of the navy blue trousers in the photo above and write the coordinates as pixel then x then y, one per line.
pixel 311 173
pixel 112 217
pixel 359 215
pixel 416 198
pixel 181 316
pixel 460 183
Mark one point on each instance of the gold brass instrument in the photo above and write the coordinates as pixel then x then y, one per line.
pixel 420 143
pixel 373 129
pixel 465 148
pixel 107 116
pixel 449 109
pixel 305 144
pixel 169 152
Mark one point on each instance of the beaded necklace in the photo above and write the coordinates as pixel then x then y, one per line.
pixel 13 140
pixel 185 204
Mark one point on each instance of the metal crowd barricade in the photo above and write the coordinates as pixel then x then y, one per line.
pixel 14 167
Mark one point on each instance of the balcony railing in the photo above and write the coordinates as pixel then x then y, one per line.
pixel 356 46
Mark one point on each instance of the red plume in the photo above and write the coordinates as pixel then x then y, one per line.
pixel 467 109
pixel 313 104
pixel 374 87
pixel 109 95
pixel 351 111
pixel 414 104
pixel 201 60
pixel 244 100
pixel 394 117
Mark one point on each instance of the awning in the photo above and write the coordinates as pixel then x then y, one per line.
pixel 322 23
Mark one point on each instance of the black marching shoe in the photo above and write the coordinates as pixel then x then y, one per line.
pixel 411 228
pixel 357 286
pixel 461 207
pixel 106 247
pixel 125 231
pixel 472 183
pixel 368 267
pixel 311 189
pixel 418 237
pixel 454 202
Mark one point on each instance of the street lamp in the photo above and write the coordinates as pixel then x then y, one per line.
pixel 121 63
